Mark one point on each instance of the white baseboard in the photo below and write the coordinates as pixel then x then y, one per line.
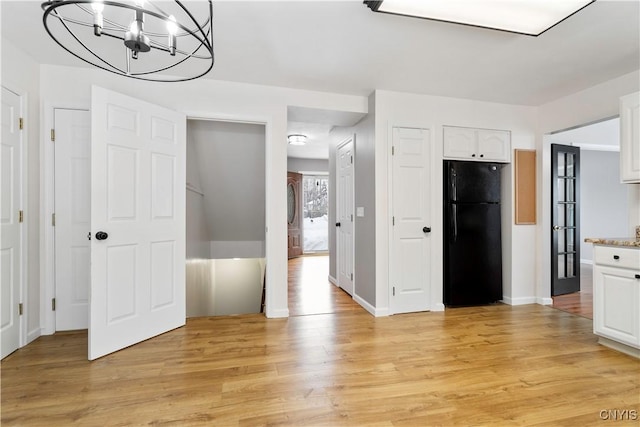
pixel 438 307
pixel 586 261
pixel 333 280
pixel 275 314
pixel 377 312
pixel 544 301
pixel 519 301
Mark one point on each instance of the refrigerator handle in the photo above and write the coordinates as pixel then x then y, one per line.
pixel 454 187
pixel 454 222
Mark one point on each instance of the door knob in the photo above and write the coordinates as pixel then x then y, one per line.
pixel 101 235
pixel 337 224
pixel 556 227
pixel 426 229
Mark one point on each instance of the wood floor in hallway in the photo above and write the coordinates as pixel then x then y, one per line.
pixel 579 303
pixel 310 291
pixel 496 365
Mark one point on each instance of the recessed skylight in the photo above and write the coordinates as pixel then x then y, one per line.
pixel 531 17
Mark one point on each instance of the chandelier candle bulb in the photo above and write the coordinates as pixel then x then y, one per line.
pixel 172 29
pixel 98 19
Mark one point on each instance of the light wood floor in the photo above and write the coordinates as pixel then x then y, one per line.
pixel 493 365
pixel 310 291
pixel 580 303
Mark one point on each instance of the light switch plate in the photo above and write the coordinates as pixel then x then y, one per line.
pixel 360 211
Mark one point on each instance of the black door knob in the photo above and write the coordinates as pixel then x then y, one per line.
pixel 426 229
pixel 337 224
pixel 616 257
pixel 101 235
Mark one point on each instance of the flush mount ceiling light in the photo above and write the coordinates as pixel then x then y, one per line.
pixel 138 39
pixel 530 17
pixel 297 139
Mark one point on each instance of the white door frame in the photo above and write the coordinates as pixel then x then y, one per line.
pixel 47 271
pixel 351 139
pixel 24 336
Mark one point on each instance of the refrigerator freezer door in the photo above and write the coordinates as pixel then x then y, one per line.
pixel 473 256
pixel 472 182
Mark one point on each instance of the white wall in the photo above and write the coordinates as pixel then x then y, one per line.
pixel 222 100
pixel 21 74
pixel 588 106
pixel 295 164
pixel 432 112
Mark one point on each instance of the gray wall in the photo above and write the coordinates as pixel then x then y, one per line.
pixel 603 199
pixel 307 165
pixel 230 162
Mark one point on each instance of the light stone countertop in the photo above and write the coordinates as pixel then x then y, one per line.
pixel 614 241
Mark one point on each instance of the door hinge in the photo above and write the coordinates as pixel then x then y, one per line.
pixel 53 219
pixel 351 159
pixel 393 150
pixel 53 304
pixel 20 123
pixel 393 220
pixel 21 216
pixel 351 217
pixel 20 309
pixel 53 135
pixel 352 277
pixel 394 291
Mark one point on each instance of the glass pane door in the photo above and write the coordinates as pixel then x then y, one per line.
pixel 565 256
pixel 315 211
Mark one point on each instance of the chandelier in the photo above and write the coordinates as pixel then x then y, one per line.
pixel 147 40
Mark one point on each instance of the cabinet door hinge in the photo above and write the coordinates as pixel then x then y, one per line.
pixel 394 291
pixel 53 304
pixel 20 123
pixel 53 135
pixel 20 309
pixel 53 219
pixel 21 216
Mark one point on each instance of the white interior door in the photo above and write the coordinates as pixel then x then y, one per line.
pixel 73 217
pixel 411 242
pixel 11 228
pixel 138 157
pixel 344 224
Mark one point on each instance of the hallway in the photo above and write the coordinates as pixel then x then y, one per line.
pixel 310 291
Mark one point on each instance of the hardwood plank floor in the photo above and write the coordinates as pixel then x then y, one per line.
pixel 580 303
pixel 492 365
pixel 310 291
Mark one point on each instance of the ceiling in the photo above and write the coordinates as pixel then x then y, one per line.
pixel 343 47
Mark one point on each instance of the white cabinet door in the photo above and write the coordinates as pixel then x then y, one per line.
pixel 459 143
pixel 616 296
pixel 630 138
pixel 411 244
pixel 494 145
pixel 482 145
pixel 138 157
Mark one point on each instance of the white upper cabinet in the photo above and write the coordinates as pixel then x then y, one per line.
pixel 482 145
pixel 630 138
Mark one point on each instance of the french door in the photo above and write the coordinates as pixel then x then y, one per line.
pixel 565 214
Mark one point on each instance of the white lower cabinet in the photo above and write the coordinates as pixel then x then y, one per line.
pixel 616 294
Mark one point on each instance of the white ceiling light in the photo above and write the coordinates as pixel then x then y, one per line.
pixel 530 17
pixel 297 139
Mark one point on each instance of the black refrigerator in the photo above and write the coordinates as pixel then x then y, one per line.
pixel 472 238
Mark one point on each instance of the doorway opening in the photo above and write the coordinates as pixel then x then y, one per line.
pixel 225 218
pixel 603 208
pixel 315 214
